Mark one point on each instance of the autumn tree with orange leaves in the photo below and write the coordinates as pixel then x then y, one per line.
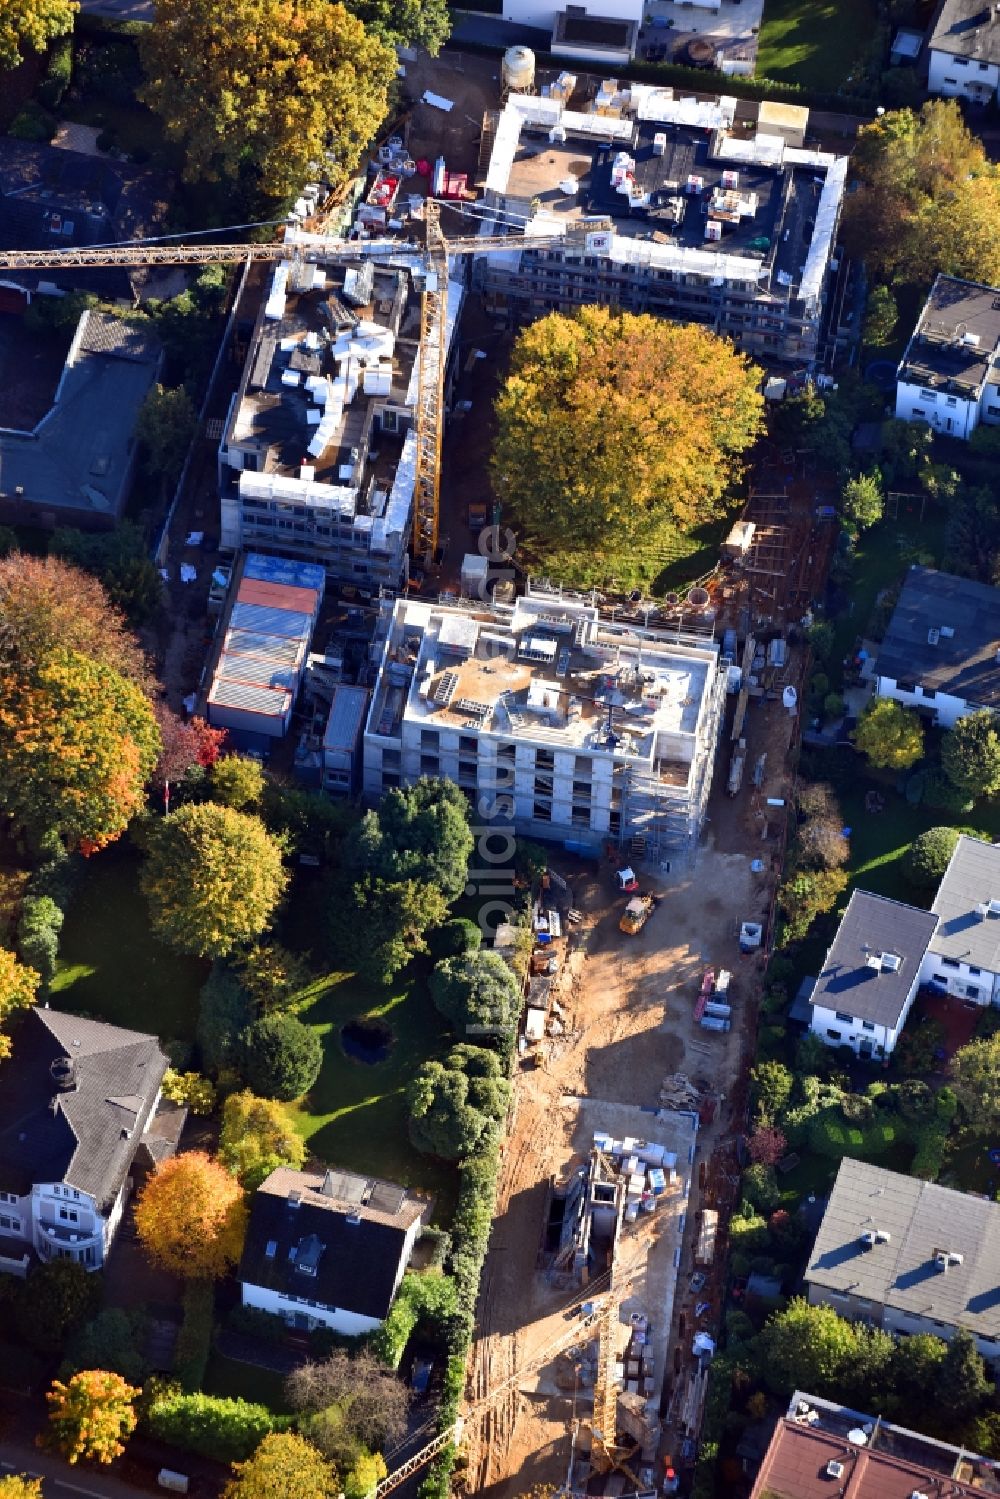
pixel 46 603
pixel 611 423
pixel 91 1415
pixel 191 1217
pixel 18 987
pixel 78 742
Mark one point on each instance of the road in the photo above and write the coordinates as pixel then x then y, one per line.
pixel 61 1481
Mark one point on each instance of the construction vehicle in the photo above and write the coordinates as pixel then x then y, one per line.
pixel 637 913
pixel 431 259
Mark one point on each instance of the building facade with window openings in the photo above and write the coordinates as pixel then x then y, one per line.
pixel 963 958
pixel 949 376
pixel 576 729
pixel 670 206
pixel 318 456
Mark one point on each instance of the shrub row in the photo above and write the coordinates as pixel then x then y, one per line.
pixel 229 1431
pixel 194 1340
pixel 427 1298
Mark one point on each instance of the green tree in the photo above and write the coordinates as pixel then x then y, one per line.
pixel 964 1387
pixel 772 1089
pixel 975 1078
pixel 806 894
pixel 237 781
pixel 284 1464
pixel 970 754
pixel 225 1009
pixel 120 559
pixel 273 977
pixel 862 500
pixel 478 994
pixel 928 857
pixel 419 832
pixel 393 918
pixel 18 987
pixel 280 1057
pixel 165 427
pixel 269 87
pixel 452 1103
pixel 881 317
pixel 454 939
pixel 257 1136
pixel 57 1297
pixel 609 423
pixel 806 1348
pixel 213 877
pixel 916 1370
pixel 367 1472
pixel 797 419
pixel 38 931
pixel 890 735
pixel 112 1340
pixel 406 23
pixel 29 25
pixel 78 743
pixel 91 1416
pixel 928 199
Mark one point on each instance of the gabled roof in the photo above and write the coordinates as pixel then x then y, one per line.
pixel 336 1239
pixel 84 1130
pixel 871 926
pixel 968 28
pixel 945 634
pixel 922 1221
pixel 972 880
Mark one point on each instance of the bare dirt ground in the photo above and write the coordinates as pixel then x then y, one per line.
pixel 630 1001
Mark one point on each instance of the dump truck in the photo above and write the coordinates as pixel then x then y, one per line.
pixel 636 914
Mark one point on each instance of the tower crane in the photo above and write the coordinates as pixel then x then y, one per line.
pixel 433 257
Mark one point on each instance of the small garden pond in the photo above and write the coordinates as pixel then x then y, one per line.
pixel 368 1041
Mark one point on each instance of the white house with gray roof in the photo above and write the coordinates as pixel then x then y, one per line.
pixel 871 975
pixel 941 652
pixel 963 956
pixel 908 1256
pixel 949 376
pixel 964 51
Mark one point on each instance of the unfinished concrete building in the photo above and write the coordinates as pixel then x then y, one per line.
pixel 668 205
pixel 318 455
pixel 547 716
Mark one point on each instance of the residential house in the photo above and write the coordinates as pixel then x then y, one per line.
pixel 949 375
pixel 964 51
pixel 78 1101
pixel 871 974
pixel 329 1249
pixel 908 1256
pixel 819 1449
pixel 963 957
pixel 604 33
pixel 564 725
pixel 75 465
pixel 941 652
pixel 665 205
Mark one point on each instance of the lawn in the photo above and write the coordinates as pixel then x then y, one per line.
pixel 110 966
pixel 355 1116
pixel 815 43
pixel 236 1380
pixel 669 559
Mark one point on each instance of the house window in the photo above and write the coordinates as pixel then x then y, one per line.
pixel 971 992
pixel 847 1019
pixel 69 1215
pixel 868 1025
pixel 10 1225
pixel 834 1035
pixel 974 972
pixel 950 963
pixel 8 1197
pixel 428 739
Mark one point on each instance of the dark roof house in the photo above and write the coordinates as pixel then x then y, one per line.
pixel 969 29
pixel 336 1240
pixel 952 346
pixel 874 960
pixel 75 1097
pixel 945 635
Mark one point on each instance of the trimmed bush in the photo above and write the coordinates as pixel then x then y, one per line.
pixel 227 1430
pixel 194 1340
pixel 58 73
pixel 38 934
pixel 33 124
pixel 280 1057
pixel 453 939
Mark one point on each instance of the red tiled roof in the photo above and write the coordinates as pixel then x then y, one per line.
pixel 795 1467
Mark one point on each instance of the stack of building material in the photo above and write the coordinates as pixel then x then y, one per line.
pixel 677 1091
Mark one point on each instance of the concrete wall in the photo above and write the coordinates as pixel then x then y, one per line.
pixel 945 413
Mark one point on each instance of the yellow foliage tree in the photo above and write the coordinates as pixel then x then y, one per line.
pixel 18 987
pixel 191 1217
pixel 29 26
pixel 610 423
pixel 278 85
pixel 91 1415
